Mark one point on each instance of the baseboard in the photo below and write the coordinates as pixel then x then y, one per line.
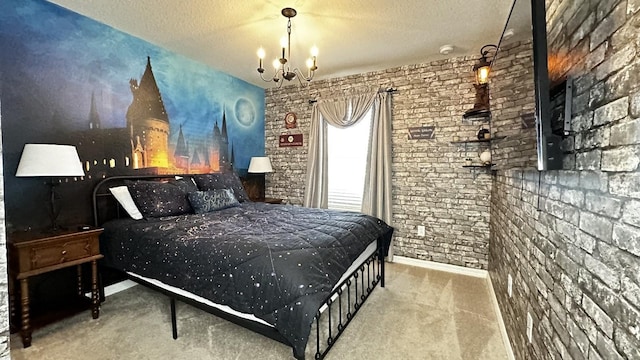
pixel 441 267
pixel 119 286
pixel 503 329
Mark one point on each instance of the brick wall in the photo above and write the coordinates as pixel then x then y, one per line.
pixel 513 95
pixel 4 290
pixel 571 239
pixel 430 187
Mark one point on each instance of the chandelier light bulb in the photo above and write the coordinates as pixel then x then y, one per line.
pixel 276 63
pixel 261 53
pixel 309 63
pixel 283 42
pixel 314 51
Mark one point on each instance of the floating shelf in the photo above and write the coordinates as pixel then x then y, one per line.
pixel 478 115
pixel 478 140
pixel 478 166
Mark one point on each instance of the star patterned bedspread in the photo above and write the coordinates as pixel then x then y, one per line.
pixel 277 262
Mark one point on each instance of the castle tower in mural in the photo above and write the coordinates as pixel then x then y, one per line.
pixel 181 155
pixel 145 141
pixel 148 123
pixel 219 147
pixel 94 117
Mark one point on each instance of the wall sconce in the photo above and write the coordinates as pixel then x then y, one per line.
pixel 481 71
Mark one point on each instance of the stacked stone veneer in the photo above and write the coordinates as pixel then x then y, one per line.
pixel 571 239
pixel 4 289
pixel 513 97
pixel 430 187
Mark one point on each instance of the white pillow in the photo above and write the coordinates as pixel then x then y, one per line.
pixel 122 194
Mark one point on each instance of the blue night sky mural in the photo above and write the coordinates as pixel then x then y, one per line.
pixel 65 78
pixel 69 57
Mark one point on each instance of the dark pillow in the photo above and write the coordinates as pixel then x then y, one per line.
pixel 187 184
pixel 211 200
pixel 157 199
pixel 216 181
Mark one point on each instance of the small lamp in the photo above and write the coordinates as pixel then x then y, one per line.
pixel 50 160
pixel 260 165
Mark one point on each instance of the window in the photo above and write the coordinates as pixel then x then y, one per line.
pixel 347 159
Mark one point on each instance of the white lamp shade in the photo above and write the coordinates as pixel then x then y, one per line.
pixel 49 160
pixel 260 164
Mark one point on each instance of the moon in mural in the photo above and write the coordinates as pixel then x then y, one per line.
pixel 245 112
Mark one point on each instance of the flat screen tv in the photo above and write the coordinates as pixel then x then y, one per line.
pixel 520 92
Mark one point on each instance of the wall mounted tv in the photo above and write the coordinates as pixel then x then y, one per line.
pixel 520 105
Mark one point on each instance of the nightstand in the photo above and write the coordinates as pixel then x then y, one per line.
pixel 32 253
pixel 272 201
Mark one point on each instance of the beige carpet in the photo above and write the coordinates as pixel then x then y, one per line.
pixel 420 314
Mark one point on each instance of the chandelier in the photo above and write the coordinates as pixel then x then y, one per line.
pixel 282 68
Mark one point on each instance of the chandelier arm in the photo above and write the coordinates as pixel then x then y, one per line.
pixel 301 76
pixel 266 80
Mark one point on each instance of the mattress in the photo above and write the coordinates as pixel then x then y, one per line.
pixel 175 290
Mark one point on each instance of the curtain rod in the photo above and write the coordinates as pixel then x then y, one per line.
pixel 389 90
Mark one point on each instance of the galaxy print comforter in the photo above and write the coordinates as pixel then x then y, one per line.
pixel 277 262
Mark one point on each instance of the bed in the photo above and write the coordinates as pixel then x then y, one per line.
pixel 293 274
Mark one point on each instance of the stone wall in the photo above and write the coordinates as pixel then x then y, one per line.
pixel 513 97
pixel 4 289
pixel 430 187
pixel 571 239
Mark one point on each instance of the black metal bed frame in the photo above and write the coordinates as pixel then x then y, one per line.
pixel 337 311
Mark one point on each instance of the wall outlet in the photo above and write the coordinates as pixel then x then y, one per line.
pixel 529 327
pixel 510 285
pixel 421 230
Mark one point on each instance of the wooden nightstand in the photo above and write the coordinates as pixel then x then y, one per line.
pixel 32 253
pixel 272 201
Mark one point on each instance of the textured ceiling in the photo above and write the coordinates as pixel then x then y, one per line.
pixel 353 36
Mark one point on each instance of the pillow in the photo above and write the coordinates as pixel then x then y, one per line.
pixel 212 200
pixel 122 194
pixel 185 184
pixel 157 199
pixel 229 180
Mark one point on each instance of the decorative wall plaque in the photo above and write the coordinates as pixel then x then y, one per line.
pixel 288 140
pixel 422 132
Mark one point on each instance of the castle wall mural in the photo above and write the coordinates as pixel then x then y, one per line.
pixel 128 106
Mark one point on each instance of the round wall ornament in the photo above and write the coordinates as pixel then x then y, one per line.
pixel 290 120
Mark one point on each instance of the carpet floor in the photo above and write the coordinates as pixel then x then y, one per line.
pixel 420 314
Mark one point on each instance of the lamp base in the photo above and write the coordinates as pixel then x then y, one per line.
pixel 54 209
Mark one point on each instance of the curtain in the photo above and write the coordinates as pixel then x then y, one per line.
pixel 341 112
pixel 376 199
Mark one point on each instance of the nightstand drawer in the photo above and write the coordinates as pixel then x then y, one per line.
pixel 61 252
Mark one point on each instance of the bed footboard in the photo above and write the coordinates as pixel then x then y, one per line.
pixel 344 302
pixel 331 320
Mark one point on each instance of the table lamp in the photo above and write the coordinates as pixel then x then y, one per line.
pixel 51 161
pixel 260 165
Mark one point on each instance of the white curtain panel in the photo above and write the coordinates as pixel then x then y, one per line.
pixel 376 200
pixel 341 112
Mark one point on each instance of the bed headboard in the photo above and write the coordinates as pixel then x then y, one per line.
pixel 105 206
